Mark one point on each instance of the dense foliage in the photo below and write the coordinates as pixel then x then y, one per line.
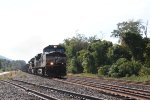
pixel 92 55
pixel 7 65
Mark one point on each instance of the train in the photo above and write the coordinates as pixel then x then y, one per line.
pixel 51 62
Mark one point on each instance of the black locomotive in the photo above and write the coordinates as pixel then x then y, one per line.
pixel 52 62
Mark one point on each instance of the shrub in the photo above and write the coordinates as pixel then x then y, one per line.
pixel 124 68
pixel 103 70
pixel 129 68
pixel 144 71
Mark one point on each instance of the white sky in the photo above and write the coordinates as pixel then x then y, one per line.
pixel 27 26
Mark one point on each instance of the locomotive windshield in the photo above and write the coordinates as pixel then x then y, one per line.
pixel 55 50
pixel 60 50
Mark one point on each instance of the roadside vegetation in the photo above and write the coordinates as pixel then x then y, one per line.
pixel 9 75
pixel 130 57
pixel 12 74
pixel 9 65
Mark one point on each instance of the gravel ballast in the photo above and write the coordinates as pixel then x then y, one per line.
pixel 9 92
pixel 60 85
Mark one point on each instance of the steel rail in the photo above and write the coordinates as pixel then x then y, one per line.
pixel 33 92
pixel 83 96
pixel 108 89
pixel 125 88
pixel 115 80
pixel 96 84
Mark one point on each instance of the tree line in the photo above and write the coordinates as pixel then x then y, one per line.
pixel 131 56
pixel 7 65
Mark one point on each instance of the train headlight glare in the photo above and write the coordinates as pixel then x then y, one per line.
pixel 52 63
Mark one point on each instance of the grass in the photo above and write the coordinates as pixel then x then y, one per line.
pixel 84 75
pixel 7 76
pixel 1 71
pixel 143 79
pixel 11 75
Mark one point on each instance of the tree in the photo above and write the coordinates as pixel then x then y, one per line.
pixel 117 51
pixel 99 51
pixel 0 64
pixel 73 47
pixel 89 63
pixel 130 35
pixel 92 38
pixel 147 54
pixel 131 26
pixel 135 44
pixel 73 65
pixel 11 65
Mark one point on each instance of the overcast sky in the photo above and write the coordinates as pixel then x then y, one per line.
pixel 27 26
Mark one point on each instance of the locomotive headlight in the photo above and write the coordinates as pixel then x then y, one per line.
pixel 52 63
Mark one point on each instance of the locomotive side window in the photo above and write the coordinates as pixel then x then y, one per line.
pixel 55 49
pixel 50 50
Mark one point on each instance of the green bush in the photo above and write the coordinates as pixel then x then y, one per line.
pixel 129 68
pixel 72 66
pixel 114 70
pixel 103 70
pixel 124 68
pixel 144 71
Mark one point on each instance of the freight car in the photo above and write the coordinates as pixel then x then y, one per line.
pixel 51 62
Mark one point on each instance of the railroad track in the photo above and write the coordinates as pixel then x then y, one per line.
pixel 44 96
pixel 32 92
pixel 130 93
pixel 121 81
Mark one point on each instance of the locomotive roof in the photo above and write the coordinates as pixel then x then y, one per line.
pixel 52 46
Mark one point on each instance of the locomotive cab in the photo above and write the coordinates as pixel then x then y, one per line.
pixel 54 60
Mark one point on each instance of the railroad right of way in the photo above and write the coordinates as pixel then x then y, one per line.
pixel 51 83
